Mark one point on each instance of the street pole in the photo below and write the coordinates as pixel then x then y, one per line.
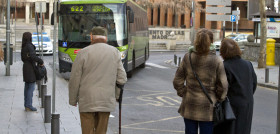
pixel 54 56
pixel 231 27
pixel 55 127
pixel 41 21
pixel 193 23
pixel 278 109
pixel 8 31
pixel 15 45
pixel 224 29
pixel 237 18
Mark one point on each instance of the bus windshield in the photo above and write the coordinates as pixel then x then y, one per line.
pixel 76 22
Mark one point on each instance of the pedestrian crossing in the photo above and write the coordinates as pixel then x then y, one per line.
pixel 156 65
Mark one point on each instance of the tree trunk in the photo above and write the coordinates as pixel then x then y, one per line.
pixel 278 6
pixel 2 14
pixel 261 60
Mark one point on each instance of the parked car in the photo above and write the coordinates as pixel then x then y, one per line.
pixel 47 43
pixel 237 37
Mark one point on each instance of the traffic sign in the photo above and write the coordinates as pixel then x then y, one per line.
pixel 38 6
pixel 218 9
pixel 219 2
pixel 236 12
pixel 233 18
pixel 213 17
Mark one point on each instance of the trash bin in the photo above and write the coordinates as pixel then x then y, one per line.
pixel 5 54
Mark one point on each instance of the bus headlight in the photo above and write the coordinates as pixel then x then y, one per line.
pixel 64 57
pixel 123 54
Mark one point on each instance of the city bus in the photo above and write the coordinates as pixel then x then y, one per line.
pixel 125 21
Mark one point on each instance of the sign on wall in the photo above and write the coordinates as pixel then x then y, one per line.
pixel 273 29
pixel 164 34
pixel 38 6
pixel 224 10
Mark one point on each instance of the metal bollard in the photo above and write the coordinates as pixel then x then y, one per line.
pixel 47 110
pixel 266 75
pixel 43 93
pixel 179 61
pixel 39 87
pixel 55 124
pixel 175 59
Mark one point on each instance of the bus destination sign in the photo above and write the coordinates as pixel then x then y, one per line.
pixel 77 8
pixel 87 9
pixel 100 8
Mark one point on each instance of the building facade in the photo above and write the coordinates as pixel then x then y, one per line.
pixel 161 13
pixel 25 9
pixel 177 13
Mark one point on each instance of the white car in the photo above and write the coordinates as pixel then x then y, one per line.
pixel 47 43
pixel 237 37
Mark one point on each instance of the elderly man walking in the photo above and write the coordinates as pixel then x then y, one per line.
pixel 95 72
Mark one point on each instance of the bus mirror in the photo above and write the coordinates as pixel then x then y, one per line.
pixel 131 16
pixel 52 19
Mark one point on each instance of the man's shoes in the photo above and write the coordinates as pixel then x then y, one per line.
pixel 30 109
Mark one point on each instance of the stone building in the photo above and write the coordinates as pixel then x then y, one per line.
pixel 177 13
pixel 25 9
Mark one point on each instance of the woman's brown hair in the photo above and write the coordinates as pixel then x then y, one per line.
pixel 229 49
pixel 202 42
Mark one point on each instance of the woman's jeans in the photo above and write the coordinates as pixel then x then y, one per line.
pixel 191 127
pixel 28 94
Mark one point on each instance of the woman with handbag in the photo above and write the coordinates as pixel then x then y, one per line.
pixel 28 57
pixel 242 86
pixel 196 108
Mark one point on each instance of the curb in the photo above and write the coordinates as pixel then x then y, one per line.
pixel 268 86
pixel 163 50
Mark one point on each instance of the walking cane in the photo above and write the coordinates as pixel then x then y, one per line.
pixel 120 107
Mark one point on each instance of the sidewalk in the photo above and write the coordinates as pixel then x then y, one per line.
pixel 14 120
pixel 273 76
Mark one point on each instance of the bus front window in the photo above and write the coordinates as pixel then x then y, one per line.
pixel 76 25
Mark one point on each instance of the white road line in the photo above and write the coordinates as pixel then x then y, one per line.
pixel 156 65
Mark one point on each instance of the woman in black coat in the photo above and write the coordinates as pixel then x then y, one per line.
pixel 29 58
pixel 242 86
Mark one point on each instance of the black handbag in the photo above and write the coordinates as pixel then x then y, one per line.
pixel 222 110
pixel 40 72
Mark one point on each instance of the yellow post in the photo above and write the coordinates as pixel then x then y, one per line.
pixel 270 52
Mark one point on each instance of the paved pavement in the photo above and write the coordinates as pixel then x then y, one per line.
pixel 273 76
pixel 14 120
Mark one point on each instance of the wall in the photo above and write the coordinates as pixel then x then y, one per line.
pixel 251 52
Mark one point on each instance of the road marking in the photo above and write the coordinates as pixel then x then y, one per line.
pixel 149 104
pixel 153 121
pixel 148 95
pixel 156 65
pixel 172 131
pixel 166 98
pixel 145 91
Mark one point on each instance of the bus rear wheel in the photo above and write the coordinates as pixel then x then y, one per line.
pixel 143 65
pixel 130 73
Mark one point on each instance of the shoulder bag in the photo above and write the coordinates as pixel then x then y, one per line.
pixel 222 110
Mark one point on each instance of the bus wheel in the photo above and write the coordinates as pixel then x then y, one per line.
pixel 130 73
pixel 143 65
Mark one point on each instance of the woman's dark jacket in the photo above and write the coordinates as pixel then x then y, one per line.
pixel 242 85
pixel 28 57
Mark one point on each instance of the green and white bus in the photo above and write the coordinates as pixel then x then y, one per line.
pixel 125 21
